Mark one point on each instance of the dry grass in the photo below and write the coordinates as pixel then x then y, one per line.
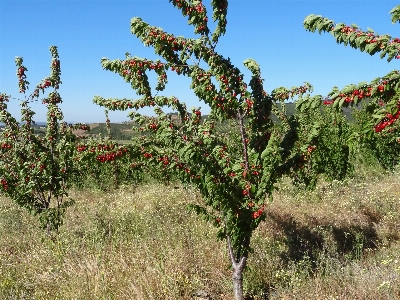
pixel 129 244
pixel 338 242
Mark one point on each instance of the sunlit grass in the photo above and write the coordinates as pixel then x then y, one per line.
pixel 337 242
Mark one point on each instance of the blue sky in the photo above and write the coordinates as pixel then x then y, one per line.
pixel 269 31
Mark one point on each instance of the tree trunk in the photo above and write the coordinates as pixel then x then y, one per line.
pixel 238 283
pixel 238 265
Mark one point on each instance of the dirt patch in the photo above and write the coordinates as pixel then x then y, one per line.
pixel 83 133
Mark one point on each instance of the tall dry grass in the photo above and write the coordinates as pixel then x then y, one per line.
pixel 337 242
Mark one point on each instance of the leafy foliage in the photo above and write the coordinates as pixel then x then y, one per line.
pixel 329 154
pixel 382 108
pixel 105 164
pixel 35 170
pixel 382 145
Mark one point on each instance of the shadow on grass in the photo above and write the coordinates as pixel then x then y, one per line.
pixel 310 240
pixel 313 242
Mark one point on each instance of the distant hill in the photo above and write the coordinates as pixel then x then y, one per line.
pixel 119 131
pixel 123 131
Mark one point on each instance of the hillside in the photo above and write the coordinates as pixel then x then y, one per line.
pixel 123 131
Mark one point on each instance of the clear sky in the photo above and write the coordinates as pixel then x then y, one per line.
pixel 269 31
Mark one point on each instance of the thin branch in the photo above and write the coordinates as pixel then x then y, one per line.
pixel 231 255
pixel 244 144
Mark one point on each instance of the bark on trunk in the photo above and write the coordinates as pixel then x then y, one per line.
pixel 238 265
pixel 238 283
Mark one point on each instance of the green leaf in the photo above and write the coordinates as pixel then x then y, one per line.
pixel 383 53
pixel 355 100
pixel 395 12
pixel 375 81
pixel 370 48
pixel 392 54
pixel 378 116
pixel 322 25
pixel 352 38
pixel 309 22
pixel 253 189
pixel 340 102
pixel 394 76
pixel 360 42
pixel 349 88
pixel 362 84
